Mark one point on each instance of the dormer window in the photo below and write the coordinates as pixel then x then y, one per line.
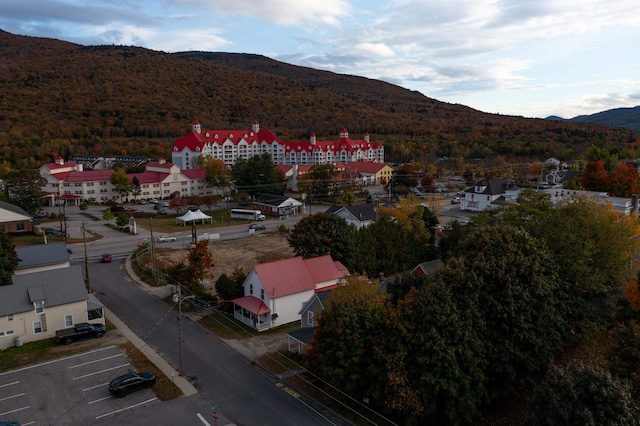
pixel 39 306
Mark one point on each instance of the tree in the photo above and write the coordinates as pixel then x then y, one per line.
pixel 200 261
pixel 348 343
pixel 230 287
pixel 595 177
pixel 8 259
pixel 318 180
pixel 324 233
pixel 515 282
pixel 217 174
pixel 84 206
pixel 256 175
pixel 107 215
pixel 624 181
pixel 436 331
pixel 136 189
pixel 120 182
pixel 24 189
pixel 583 394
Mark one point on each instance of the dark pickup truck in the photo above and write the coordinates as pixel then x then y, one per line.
pixel 79 332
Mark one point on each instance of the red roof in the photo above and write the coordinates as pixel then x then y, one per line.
pixel 160 165
pixel 195 142
pixel 146 178
pixel 194 173
pixel 252 304
pixel 86 176
pixel 295 275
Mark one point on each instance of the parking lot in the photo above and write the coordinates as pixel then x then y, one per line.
pixel 70 390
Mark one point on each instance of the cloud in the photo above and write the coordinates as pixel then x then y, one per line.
pixel 280 12
pixel 377 49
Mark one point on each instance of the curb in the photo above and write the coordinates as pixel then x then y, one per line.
pixel 184 385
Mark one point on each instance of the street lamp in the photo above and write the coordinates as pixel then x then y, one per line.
pixel 177 298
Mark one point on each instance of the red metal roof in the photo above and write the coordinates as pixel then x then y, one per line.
pixel 295 275
pixel 86 176
pixel 146 178
pixel 252 304
pixel 365 166
pixel 194 173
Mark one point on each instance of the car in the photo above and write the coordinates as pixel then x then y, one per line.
pixel 132 381
pixel 165 239
pixel 16 423
pixel 455 200
pixel 154 201
pixel 257 227
pixel 162 211
pixel 461 193
pixel 54 232
pixel 105 258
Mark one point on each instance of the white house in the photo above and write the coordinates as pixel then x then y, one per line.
pixel 487 194
pixel 359 216
pixel 38 304
pixel 275 292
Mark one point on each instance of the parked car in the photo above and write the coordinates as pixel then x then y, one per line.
pixel 78 332
pixel 132 381
pixel 163 211
pixel 455 200
pixel 154 201
pixel 54 232
pixel 461 193
pixel 257 227
pixel 105 258
pixel 165 239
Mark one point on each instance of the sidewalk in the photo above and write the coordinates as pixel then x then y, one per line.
pixel 184 385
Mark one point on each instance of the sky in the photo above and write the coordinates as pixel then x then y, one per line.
pixel 532 58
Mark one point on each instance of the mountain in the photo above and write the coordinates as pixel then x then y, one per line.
pixel 619 117
pixel 64 99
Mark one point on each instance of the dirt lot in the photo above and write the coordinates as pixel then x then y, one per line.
pixel 243 253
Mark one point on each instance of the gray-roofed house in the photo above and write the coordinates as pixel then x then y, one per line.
pixel 42 257
pixel 428 268
pixel 38 304
pixel 14 220
pixel 360 216
pixel 299 340
pixel 486 194
pixel 277 205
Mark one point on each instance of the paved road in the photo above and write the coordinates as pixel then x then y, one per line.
pixel 244 393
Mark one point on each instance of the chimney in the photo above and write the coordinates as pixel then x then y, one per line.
pixel 161 160
pixel 313 139
pixel 255 127
pixel 195 127
pixel 59 161
pixel 366 137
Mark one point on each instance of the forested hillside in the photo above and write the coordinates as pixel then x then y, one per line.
pixel 58 98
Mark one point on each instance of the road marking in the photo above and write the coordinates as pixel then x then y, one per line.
pixel 101 399
pixel 101 371
pixel 54 361
pixel 97 360
pixel 12 396
pixel 9 384
pixel 96 386
pixel 206 423
pixel 15 411
pixel 125 409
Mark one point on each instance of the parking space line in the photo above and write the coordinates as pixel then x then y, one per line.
pixel 96 386
pixel 9 384
pixel 125 409
pixel 54 361
pixel 101 371
pixel 97 360
pixel 101 399
pixel 206 423
pixel 12 396
pixel 15 411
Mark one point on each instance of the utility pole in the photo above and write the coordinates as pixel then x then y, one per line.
pixel 86 257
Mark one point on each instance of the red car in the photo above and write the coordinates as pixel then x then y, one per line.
pixel 106 258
